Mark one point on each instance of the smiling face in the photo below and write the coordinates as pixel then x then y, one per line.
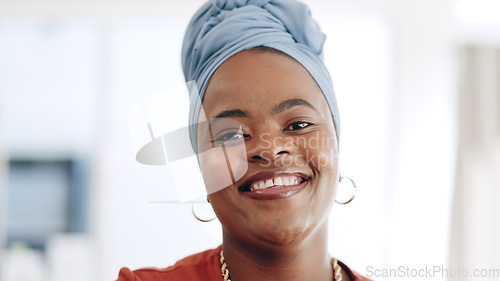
pixel 276 131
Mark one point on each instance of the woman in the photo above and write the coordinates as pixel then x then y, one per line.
pixel 271 109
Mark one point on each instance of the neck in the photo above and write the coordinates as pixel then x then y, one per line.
pixel 304 259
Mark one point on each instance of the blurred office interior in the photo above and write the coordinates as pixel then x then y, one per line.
pixel 418 85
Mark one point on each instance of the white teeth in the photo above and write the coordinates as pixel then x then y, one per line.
pixel 262 185
pixel 258 185
pixel 286 181
pixel 278 181
pixel 269 183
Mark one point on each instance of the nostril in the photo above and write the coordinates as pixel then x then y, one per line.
pixel 267 157
pixel 257 157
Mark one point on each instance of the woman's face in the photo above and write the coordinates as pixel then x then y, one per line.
pixel 274 125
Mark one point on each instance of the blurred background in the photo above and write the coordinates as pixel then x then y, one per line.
pixel 418 85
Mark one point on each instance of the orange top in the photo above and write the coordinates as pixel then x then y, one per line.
pixel 202 266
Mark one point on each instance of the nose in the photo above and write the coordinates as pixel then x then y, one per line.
pixel 267 147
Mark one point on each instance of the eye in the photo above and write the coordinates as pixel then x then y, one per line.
pixel 234 136
pixel 299 125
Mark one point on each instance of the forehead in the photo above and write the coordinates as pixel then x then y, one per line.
pixel 258 79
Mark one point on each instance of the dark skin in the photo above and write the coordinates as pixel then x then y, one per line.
pixel 286 238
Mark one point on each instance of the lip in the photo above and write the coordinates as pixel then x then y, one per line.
pixel 275 192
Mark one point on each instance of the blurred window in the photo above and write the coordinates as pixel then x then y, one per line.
pixel 44 197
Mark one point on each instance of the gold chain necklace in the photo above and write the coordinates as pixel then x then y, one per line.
pixel 337 275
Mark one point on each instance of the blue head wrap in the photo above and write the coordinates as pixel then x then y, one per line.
pixel 223 28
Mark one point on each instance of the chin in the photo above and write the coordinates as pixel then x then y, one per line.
pixel 284 231
pixel 281 238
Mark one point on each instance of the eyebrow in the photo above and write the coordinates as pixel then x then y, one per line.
pixel 283 106
pixel 288 104
pixel 232 113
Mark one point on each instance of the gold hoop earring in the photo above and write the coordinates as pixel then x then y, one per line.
pixel 354 190
pixel 194 213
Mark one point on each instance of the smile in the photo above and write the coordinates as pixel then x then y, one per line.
pixel 277 182
pixel 270 186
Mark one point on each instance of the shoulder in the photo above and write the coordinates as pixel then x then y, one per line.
pixel 201 266
pixel 354 275
pixel 358 277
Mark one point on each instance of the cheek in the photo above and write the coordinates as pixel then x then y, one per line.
pixel 320 150
pixel 215 173
pixel 220 169
pixel 322 157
